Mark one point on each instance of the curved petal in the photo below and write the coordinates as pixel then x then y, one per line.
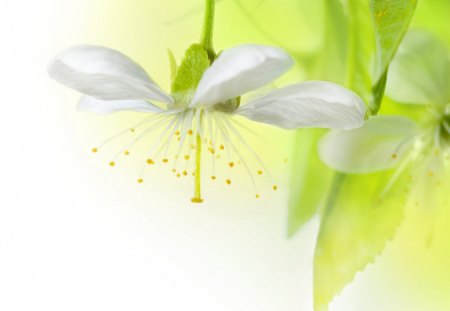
pixel 91 104
pixel 379 145
pixel 308 104
pixel 239 70
pixel 420 73
pixel 104 74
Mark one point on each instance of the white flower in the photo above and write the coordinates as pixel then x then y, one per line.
pixel 205 109
pixel 420 75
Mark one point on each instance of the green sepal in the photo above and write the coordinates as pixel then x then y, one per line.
pixel 188 74
pixel 173 65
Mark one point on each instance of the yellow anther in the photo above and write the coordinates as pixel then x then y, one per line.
pixel 140 180
pixel 210 149
pixel 132 130
pixel 231 164
pixel 190 132
pixel 275 187
pixel 228 181
pixel 150 161
pixel 260 172
pixel 177 133
pixel 187 157
pixel 196 200
pixel 94 150
pixel 174 170
pixel 184 173
pixel 394 156
pixel 178 175
pixel 112 163
pixel 213 177
pixel 126 152
pixel 222 147
pixel 257 196
pixel 165 160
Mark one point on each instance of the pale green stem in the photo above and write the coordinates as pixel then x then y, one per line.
pixel 208 27
pixel 207 42
pixel 198 159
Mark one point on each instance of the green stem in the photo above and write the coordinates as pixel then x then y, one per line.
pixel 208 27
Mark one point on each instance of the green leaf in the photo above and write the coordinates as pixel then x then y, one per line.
pixel 361 46
pixel 309 180
pixel 331 60
pixel 188 74
pixel 391 20
pixel 360 217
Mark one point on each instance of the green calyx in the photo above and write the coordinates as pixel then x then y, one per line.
pixel 187 75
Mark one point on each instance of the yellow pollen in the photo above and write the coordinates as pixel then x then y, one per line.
pixel 94 150
pixel 213 177
pixel 231 164
pixel 275 187
pixel 165 160
pixel 187 157
pixel 228 181
pixel 211 150
pixel 260 172
pixel 394 156
pixel 150 161
pixel 184 173
pixel 190 132
pixel 126 152
pixel 257 196
pixel 178 175
pixel 177 133
pixel 112 163
pixel 132 130
pixel 140 180
pixel 196 200
pixel 222 147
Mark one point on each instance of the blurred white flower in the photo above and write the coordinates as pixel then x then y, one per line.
pixel 420 75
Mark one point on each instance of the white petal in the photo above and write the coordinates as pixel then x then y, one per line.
pixel 420 72
pixel 239 70
pixel 379 145
pixel 308 104
pixel 104 74
pixel 91 104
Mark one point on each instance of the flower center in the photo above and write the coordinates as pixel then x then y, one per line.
pixel 183 141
